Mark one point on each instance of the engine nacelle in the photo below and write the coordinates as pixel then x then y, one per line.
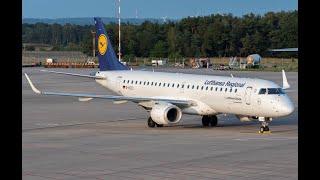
pixel 243 118
pixel 166 113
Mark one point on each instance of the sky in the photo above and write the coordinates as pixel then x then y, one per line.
pixel 173 9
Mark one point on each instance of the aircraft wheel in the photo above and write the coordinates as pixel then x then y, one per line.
pixel 261 129
pixel 205 121
pixel 151 123
pixel 213 121
pixel 266 128
pixel 159 125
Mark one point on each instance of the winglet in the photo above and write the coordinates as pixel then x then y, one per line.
pixel 34 89
pixel 285 84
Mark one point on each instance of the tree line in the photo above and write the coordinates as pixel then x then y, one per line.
pixel 202 36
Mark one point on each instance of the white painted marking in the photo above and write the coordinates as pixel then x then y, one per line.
pixel 46 124
pixel 264 138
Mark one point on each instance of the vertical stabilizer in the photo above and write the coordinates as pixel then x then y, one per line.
pixel 107 58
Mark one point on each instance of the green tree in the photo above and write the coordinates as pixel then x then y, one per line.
pixel 159 50
pixel 213 35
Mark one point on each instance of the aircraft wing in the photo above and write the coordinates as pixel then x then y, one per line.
pixel 111 97
pixel 74 74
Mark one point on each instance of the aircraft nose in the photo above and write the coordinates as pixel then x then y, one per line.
pixel 288 108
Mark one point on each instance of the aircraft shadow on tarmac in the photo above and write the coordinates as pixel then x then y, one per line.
pixel 242 125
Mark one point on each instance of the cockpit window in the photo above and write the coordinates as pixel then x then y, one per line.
pixel 275 91
pixel 271 91
pixel 262 91
pixel 281 91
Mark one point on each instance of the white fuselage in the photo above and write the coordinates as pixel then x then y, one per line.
pixel 212 94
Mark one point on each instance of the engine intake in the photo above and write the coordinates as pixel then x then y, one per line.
pixel 166 113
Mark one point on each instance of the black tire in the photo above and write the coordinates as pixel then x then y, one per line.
pixel 151 123
pixel 261 129
pixel 266 128
pixel 213 121
pixel 159 125
pixel 205 121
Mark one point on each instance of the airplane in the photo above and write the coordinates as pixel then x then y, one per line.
pixel 169 95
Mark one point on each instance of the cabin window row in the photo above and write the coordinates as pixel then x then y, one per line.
pixel 178 85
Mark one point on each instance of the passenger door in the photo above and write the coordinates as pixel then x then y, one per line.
pixel 118 84
pixel 247 95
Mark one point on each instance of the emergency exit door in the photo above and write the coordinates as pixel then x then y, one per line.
pixel 247 95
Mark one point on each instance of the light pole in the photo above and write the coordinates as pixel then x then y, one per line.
pixel 119 32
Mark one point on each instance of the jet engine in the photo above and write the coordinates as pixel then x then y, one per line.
pixel 243 118
pixel 166 113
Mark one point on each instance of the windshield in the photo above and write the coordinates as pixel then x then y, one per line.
pixel 271 91
pixel 262 91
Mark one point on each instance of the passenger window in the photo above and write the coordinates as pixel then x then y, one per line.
pixel 173 85
pixel 188 86
pixel 262 91
pixel 216 88
pixel 178 86
pixel 230 89
pixel 220 89
pixel 136 82
pixel 201 87
pixel 147 83
pixel 140 82
pixel 164 84
pixel 155 83
pixel 131 81
pixel 207 88
pixel 144 83
pixel 192 86
pixel 182 85
pixel 127 81
pixel 211 88
pixel 168 84
pixel 235 90
pixel 159 84
pixel 226 90
pixel 197 87
pixel 124 81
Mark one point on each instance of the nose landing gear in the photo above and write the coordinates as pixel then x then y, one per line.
pixel 264 125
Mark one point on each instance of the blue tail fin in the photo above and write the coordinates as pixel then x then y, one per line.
pixel 106 55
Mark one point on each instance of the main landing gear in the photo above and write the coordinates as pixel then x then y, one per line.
pixel 209 121
pixel 152 124
pixel 264 125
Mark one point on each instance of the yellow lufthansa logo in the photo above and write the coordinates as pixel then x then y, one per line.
pixel 102 44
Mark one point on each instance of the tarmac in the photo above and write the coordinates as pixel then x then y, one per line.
pixel 63 138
